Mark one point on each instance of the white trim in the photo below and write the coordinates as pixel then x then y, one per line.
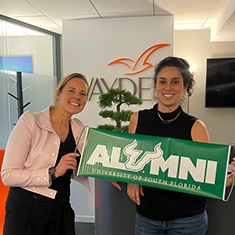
pixel 226 172
pixel 84 219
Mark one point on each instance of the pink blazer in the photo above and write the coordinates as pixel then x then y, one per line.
pixel 31 149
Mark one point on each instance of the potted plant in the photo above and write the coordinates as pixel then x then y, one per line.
pixel 117 97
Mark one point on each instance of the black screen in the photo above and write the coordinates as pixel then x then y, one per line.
pixel 220 82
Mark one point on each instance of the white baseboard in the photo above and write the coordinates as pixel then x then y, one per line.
pixel 84 219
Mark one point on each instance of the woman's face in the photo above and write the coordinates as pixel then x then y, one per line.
pixel 169 88
pixel 73 97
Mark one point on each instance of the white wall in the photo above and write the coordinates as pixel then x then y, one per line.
pixel 89 45
pixel 195 46
pixel 39 47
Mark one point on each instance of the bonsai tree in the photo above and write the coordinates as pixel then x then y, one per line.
pixel 117 97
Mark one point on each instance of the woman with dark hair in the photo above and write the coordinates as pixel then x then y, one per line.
pixel 39 162
pixel 162 211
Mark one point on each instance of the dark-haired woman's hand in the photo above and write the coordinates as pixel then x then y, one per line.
pixel 134 191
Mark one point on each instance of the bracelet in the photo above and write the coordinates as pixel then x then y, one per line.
pixel 230 180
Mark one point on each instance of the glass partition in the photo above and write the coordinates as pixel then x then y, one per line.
pixel 35 53
pixel 37 89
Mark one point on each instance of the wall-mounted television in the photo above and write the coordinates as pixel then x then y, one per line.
pixel 220 83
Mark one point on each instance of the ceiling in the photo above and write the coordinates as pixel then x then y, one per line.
pixel 216 15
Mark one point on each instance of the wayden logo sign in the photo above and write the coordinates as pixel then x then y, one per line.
pixel 140 64
pixel 173 164
pixel 136 86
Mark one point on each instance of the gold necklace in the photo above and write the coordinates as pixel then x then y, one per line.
pixel 62 135
pixel 169 120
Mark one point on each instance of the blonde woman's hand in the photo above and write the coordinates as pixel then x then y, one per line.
pixel 67 162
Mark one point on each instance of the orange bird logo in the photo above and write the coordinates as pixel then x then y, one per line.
pixel 132 65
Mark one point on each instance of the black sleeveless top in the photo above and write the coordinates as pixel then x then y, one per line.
pixel 160 204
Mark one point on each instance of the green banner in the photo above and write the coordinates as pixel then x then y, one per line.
pixel 167 163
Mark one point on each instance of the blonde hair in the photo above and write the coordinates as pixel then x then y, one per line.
pixel 64 81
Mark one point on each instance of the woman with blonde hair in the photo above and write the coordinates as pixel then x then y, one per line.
pixel 39 162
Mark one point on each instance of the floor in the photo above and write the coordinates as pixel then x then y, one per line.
pixel 85 228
